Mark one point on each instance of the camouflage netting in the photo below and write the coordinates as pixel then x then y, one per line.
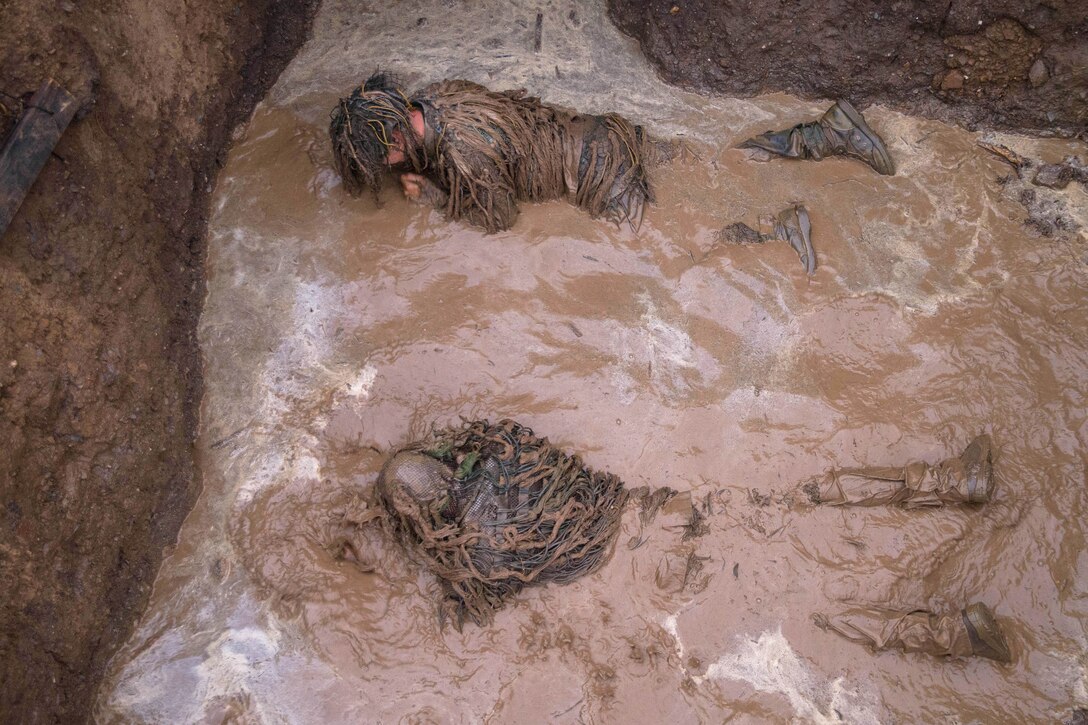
pixel 492 508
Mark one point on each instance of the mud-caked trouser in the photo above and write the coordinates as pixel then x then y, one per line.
pixel 791 225
pixel 965 479
pixel 841 131
pixel 973 631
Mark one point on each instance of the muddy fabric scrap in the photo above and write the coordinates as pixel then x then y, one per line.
pixel 481 152
pixel 490 509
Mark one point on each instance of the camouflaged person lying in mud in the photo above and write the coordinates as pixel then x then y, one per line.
pixel 474 154
pixel 489 509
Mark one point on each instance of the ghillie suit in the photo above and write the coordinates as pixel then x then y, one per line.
pixel 967 478
pixel 482 152
pixel 973 631
pixel 492 508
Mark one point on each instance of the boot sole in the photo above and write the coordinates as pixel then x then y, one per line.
pixel 806 234
pixel 978 463
pixel 804 228
pixel 987 639
pixel 878 143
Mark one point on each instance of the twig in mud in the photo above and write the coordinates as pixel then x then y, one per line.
pixel 561 714
pixel 923 137
pixel 778 530
pixel 1004 152
pixel 227 439
pixel 538 32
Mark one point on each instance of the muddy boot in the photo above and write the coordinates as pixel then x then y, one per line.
pixel 971 632
pixel 841 131
pixel 966 479
pixel 791 225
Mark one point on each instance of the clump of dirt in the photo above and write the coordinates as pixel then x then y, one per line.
pixel 1013 64
pixel 1034 184
pixel 101 281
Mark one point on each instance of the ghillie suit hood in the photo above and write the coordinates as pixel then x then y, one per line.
pixel 483 152
pixel 362 128
pixel 490 509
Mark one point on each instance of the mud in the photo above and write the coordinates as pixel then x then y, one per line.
pixel 100 287
pixel 336 329
pixel 1008 64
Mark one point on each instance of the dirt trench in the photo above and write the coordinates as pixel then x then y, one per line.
pixel 101 282
pixel 1013 64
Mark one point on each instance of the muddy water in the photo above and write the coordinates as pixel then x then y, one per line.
pixel 336 329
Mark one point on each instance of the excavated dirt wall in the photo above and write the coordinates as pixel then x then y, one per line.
pixel 101 282
pixel 1010 64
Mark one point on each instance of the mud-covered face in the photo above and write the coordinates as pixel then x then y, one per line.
pixel 395 154
pixel 371 130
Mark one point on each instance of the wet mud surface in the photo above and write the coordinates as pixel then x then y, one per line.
pixel 335 330
pixel 1008 64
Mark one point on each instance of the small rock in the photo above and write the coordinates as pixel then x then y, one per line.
pixel 1053 176
pixel 1079 168
pixel 1038 74
pixel 952 81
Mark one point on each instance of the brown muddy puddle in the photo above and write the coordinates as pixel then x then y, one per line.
pixel 336 329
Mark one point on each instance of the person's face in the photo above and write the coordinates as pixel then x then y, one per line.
pixel 396 151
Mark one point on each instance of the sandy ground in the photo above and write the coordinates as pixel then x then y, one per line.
pixel 335 329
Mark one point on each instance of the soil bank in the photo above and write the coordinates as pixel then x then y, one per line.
pixel 1011 64
pixel 101 283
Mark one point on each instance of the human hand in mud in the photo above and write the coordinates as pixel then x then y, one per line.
pixel 423 190
pixel 412 184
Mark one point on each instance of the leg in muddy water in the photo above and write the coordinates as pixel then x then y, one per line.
pixel 965 479
pixel 972 631
pixel 841 131
pixel 791 225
